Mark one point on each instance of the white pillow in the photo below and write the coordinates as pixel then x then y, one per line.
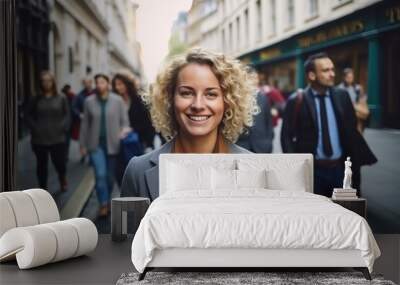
pixel 283 173
pixel 251 178
pixel 291 179
pixel 226 179
pixel 223 179
pixel 183 178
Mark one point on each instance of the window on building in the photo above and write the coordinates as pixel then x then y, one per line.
pixel 223 39
pixel 338 3
pixel 208 6
pixel 313 8
pixel 230 36
pixel 238 27
pixel 342 1
pixel 246 25
pixel 71 59
pixel 259 20
pixel 273 17
pixel 290 9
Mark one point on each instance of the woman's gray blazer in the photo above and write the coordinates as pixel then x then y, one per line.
pixel 141 175
pixel 116 120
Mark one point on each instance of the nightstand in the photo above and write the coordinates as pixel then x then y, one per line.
pixel 119 215
pixel 357 205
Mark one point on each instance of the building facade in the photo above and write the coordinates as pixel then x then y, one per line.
pixel 91 36
pixel 32 29
pixel 124 51
pixel 178 40
pixel 77 40
pixel 73 39
pixel 202 27
pixel 276 36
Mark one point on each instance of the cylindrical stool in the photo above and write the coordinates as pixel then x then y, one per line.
pixel 119 209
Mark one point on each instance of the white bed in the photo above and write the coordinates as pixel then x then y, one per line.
pixel 201 219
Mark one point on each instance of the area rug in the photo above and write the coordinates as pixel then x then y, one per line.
pixel 243 278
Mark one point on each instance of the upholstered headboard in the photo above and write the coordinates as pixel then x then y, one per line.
pixel 296 169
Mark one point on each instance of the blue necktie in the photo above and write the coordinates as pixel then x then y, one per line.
pixel 326 140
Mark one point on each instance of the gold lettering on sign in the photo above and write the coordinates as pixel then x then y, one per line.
pixel 338 31
pixel 270 53
pixel 393 14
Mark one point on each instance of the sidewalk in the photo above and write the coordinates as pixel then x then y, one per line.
pixel 26 174
pixel 92 205
pixel 381 181
pixel 91 208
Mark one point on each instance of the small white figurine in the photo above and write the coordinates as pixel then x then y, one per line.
pixel 347 174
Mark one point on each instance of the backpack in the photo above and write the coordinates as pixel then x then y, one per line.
pixel 130 147
pixel 298 103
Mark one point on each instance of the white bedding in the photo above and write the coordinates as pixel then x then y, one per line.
pixel 252 218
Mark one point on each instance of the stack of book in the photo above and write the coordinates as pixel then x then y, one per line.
pixel 344 194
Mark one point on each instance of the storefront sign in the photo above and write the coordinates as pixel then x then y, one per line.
pixel 338 31
pixel 382 16
pixel 270 53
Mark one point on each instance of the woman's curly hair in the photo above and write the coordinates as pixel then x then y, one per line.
pixel 238 86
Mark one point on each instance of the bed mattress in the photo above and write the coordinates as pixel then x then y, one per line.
pixel 251 219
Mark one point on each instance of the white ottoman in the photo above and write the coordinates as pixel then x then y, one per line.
pixel 31 233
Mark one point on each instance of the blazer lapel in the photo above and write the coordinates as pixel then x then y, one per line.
pixel 151 174
pixel 152 182
pixel 309 99
pixel 337 107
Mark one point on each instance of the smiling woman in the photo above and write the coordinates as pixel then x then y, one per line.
pixel 198 108
pixel 204 74
pixel 201 102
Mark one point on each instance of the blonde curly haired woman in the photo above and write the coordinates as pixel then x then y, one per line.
pixel 201 102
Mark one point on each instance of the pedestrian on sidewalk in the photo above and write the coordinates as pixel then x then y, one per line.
pixel 123 84
pixel 70 95
pixel 275 98
pixel 321 120
pixel 259 136
pixel 48 118
pixel 77 107
pixel 104 123
pixel 357 96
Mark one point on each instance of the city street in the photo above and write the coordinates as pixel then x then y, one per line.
pixel 79 177
pixel 277 50
pixel 113 77
pixel 379 180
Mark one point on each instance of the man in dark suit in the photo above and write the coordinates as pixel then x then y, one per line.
pixel 321 120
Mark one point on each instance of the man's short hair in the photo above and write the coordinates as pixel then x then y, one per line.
pixel 66 87
pixel 101 75
pixel 347 70
pixel 309 64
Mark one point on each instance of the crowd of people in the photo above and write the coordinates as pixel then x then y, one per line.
pixel 201 102
pixel 99 118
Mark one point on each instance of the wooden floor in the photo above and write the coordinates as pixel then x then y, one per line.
pixel 389 262
pixel 103 266
pixel 106 264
